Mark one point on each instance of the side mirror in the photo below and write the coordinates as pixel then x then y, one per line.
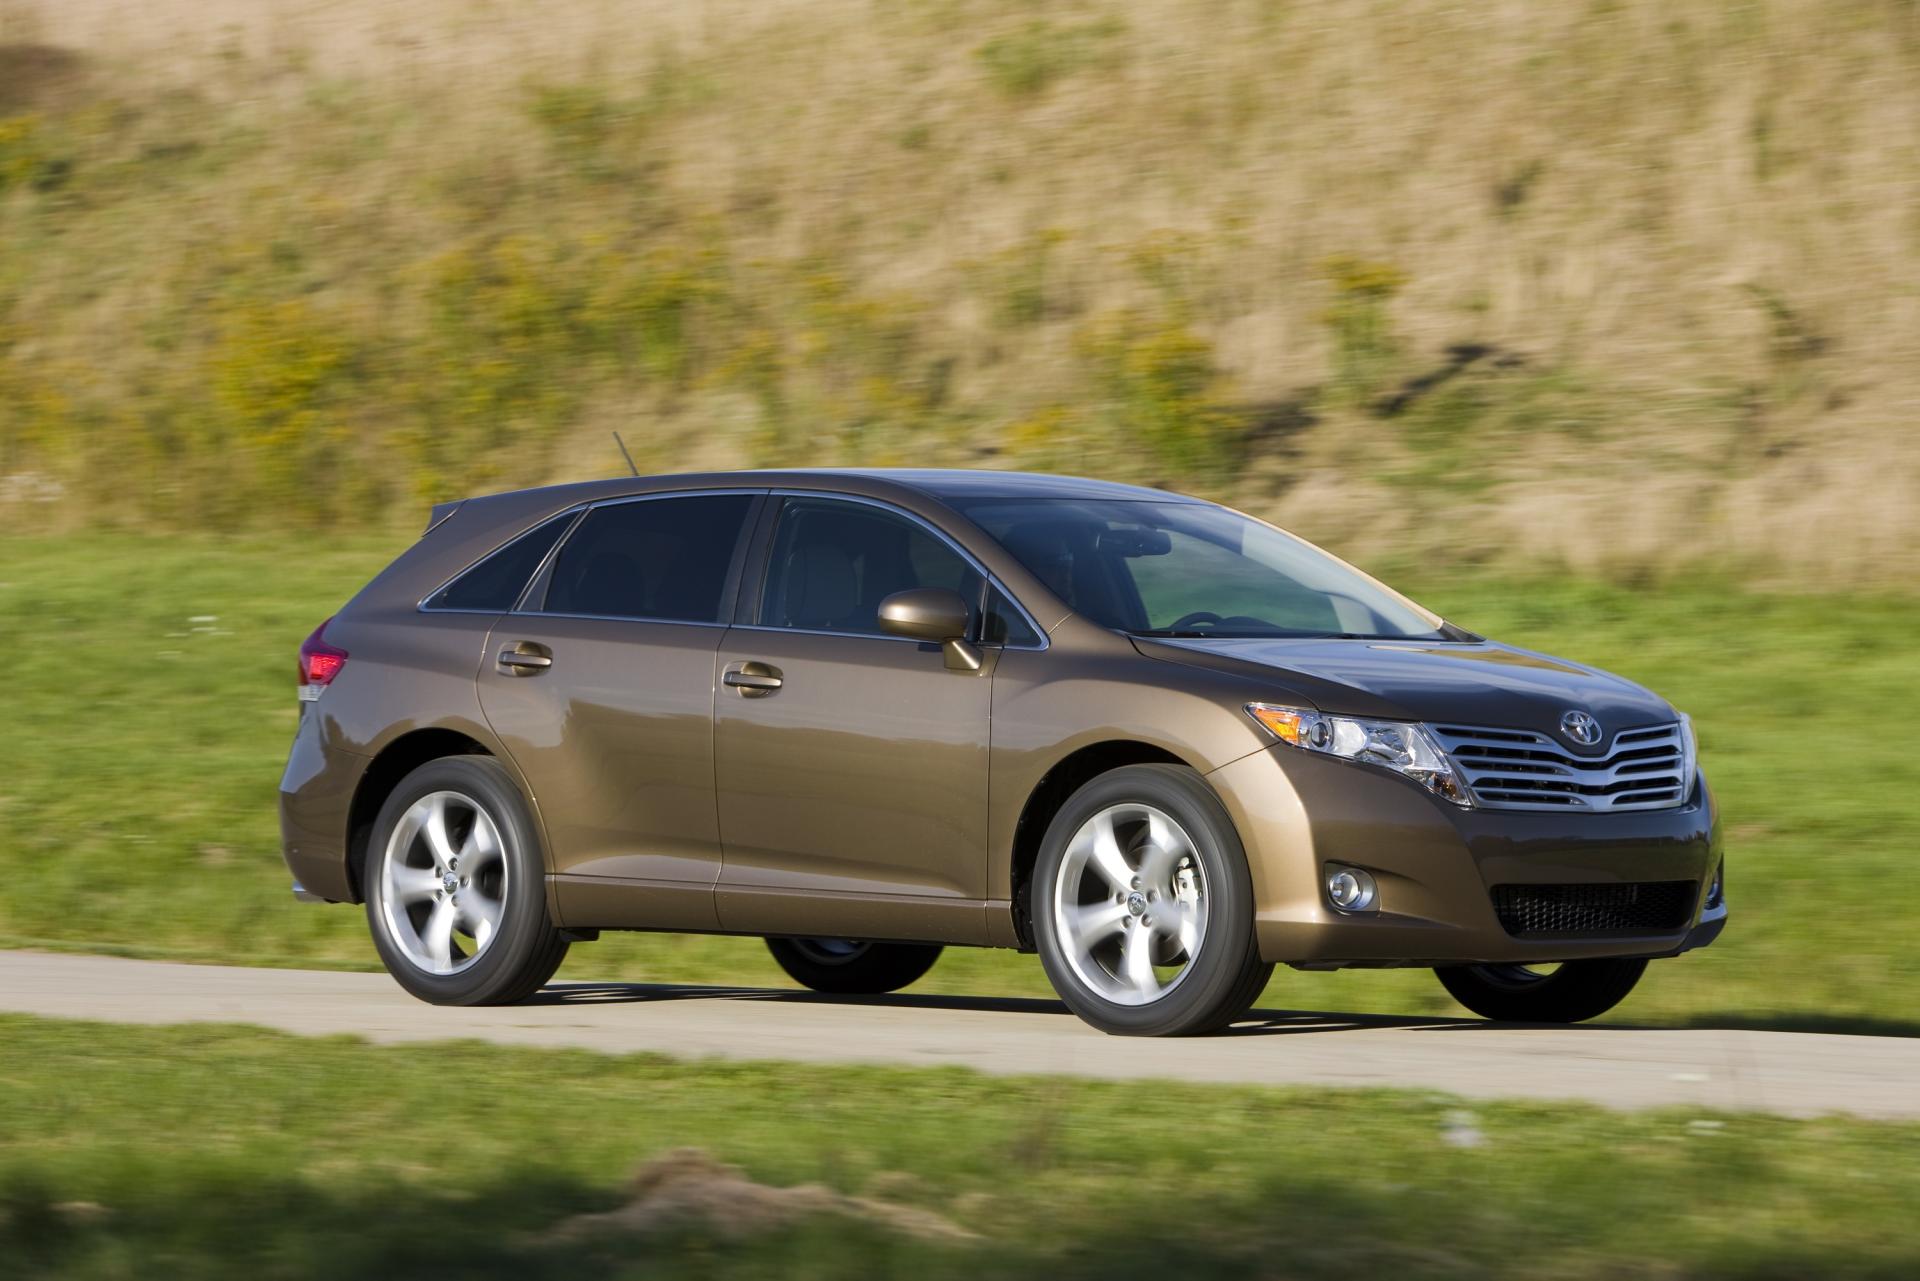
pixel 932 614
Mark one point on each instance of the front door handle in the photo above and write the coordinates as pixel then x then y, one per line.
pixel 753 680
pixel 526 659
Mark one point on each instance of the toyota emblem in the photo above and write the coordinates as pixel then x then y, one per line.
pixel 1581 728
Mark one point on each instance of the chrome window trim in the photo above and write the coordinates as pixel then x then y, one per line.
pixel 580 510
pixel 614 618
pixel 959 549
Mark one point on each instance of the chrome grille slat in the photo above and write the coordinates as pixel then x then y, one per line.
pixel 1643 768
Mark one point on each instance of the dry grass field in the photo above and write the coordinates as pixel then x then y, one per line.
pixel 1624 284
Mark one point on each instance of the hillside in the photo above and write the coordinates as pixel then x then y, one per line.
pixel 1629 284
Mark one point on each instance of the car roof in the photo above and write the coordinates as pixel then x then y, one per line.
pixel 964 483
pixel 948 485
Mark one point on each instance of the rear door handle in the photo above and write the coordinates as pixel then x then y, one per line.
pixel 753 680
pixel 526 659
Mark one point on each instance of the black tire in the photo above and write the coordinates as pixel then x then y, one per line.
pixel 1577 991
pixel 525 948
pixel 850 967
pixel 1219 984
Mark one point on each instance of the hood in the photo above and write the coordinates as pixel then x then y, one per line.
pixel 1454 682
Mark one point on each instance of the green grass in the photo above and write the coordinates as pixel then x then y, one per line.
pixel 140 757
pixel 215 1152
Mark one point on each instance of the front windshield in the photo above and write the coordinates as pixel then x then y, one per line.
pixel 1193 569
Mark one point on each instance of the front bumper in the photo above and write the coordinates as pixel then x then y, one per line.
pixel 1436 866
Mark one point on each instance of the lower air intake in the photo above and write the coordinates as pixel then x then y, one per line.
pixel 1594 911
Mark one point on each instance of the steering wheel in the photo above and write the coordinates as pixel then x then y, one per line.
pixel 1194 619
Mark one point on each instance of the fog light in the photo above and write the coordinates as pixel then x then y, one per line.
pixel 1350 889
pixel 1717 892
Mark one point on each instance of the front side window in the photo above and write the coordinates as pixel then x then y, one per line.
pixel 665 559
pixel 833 562
pixel 1193 569
pixel 495 584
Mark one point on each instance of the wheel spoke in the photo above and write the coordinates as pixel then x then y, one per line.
pixel 482 846
pixel 1165 844
pixel 407 885
pixel 439 840
pixel 1175 926
pixel 1105 856
pixel 480 917
pixel 1187 930
pixel 1093 924
pixel 1136 963
pixel 437 934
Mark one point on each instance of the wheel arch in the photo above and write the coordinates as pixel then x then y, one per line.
pixel 1062 779
pixel 383 774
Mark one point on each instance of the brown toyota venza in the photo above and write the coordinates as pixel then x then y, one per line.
pixel 866 714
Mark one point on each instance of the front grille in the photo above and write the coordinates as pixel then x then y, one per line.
pixel 1518 769
pixel 1592 911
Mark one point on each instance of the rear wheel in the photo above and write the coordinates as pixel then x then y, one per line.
pixel 456 887
pixel 1143 906
pixel 1567 993
pixel 853 967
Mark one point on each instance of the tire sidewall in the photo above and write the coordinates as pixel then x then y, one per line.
pixel 877 969
pixel 1217 974
pixel 524 919
pixel 1576 992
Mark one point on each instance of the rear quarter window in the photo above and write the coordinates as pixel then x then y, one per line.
pixel 494 585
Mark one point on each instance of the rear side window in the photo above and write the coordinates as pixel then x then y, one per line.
pixel 495 583
pixel 662 558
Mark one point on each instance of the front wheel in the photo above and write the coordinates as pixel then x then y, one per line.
pixel 456 887
pixel 853 967
pixel 1568 993
pixel 1143 906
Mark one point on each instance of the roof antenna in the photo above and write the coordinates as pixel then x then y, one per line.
pixel 624 454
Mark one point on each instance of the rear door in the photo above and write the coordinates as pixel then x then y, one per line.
pixel 851 765
pixel 601 688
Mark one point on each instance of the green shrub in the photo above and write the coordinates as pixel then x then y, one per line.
pixel 586 126
pixel 1366 353
pixel 281 376
pixel 1025 61
pixel 1158 385
pixel 27 157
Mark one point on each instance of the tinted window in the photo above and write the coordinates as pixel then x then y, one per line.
pixel 834 562
pixel 665 558
pixel 496 582
pixel 1193 569
pixel 1002 624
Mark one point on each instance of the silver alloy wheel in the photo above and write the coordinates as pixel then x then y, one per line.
pixel 444 882
pixel 1130 904
pixel 831 951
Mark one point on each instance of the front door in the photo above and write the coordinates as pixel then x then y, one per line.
pixel 602 692
pixel 851 766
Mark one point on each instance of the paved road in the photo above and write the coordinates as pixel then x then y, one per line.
pixel 1786 1072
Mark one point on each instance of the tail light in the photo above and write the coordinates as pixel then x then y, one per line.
pixel 319 664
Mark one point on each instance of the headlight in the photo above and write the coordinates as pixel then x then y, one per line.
pixel 1399 746
pixel 1690 758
